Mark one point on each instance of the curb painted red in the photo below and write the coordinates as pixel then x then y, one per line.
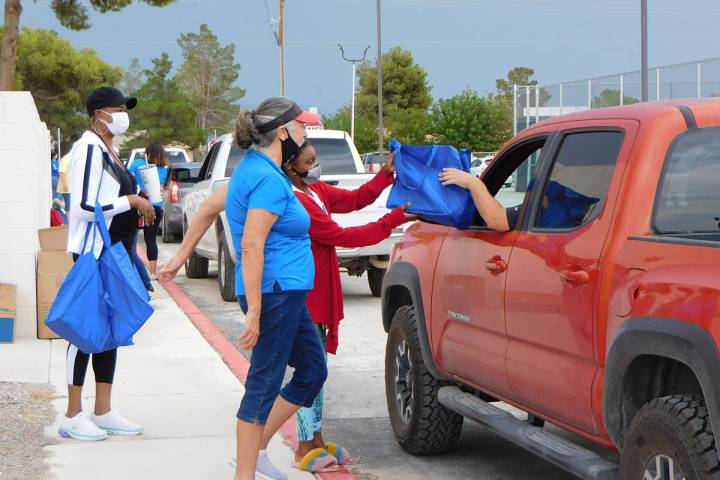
pixel 235 360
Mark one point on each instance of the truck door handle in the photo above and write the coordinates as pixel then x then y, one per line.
pixel 496 265
pixel 577 277
pixel 332 182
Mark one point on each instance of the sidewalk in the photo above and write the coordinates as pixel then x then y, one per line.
pixel 171 382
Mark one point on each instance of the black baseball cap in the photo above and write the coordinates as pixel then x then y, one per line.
pixel 108 97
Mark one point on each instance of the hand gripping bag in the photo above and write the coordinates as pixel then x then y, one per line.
pixel 417 168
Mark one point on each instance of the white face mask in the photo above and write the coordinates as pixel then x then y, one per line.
pixel 119 124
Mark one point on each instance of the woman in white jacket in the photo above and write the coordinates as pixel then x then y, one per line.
pixel 98 175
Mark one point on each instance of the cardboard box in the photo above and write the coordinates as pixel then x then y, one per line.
pixel 7 312
pixel 53 239
pixel 48 285
pixel 54 262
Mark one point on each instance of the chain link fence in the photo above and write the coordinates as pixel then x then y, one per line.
pixel 685 80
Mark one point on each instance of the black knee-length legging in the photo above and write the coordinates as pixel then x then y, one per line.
pixel 150 234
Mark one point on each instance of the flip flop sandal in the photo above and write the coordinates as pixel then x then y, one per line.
pixel 317 461
pixel 342 455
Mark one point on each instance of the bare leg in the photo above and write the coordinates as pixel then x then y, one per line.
pixel 249 437
pixel 318 441
pixel 74 401
pixel 303 449
pixel 153 266
pixel 103 391
pixel 281 411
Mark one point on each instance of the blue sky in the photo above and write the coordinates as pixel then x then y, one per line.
pixel 461 43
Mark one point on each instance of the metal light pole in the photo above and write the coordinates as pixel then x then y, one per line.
pixel 352 103
pixel 644 48
pixel 281 41
pixel 381 134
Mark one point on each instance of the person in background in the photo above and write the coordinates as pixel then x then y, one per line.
pixel 64 181
pixel 154 155
pixel 99 176
pixel 54 166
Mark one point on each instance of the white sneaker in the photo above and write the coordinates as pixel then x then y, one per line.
pixel 114 424
pixel 80 427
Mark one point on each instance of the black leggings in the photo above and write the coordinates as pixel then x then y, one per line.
pixel 103 366
pixel 150 234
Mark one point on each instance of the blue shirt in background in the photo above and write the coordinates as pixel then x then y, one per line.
pixel 258 182
pixel 134 169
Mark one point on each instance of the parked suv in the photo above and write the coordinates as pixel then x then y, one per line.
pixel 599 312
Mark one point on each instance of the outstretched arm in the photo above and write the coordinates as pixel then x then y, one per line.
pixel 205 217
pixel 490 209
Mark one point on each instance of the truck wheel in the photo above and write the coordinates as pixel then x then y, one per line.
pixel 421 424
pixel 226 270
pixel 670 438
pixel 375 278
pixel 195 266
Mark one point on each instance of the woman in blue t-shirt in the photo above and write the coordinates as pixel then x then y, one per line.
pixel 274 273
pixel 154 155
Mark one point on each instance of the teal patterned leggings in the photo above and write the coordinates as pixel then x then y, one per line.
pixel 309 420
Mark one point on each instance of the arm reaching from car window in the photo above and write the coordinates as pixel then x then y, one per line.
pixel 494 214
pixel 210 209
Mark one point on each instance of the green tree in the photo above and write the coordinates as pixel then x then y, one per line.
pixel 207 75
pixel 72 14
pixel 522 77
pixel 406 100
pixel 365 129
pixel 611 98
pixel 60 78
pixel 133 77
pixel 470 121
pixel 164 112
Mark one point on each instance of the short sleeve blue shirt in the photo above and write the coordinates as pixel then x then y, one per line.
pixel 258 182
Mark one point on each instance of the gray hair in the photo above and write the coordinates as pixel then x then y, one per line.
pixel 248 122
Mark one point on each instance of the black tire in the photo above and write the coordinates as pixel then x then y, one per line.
pixel 375 279
pixel 195 266
pixel 166 236
pixel 226 270
pixel 421 425
pixel 670 430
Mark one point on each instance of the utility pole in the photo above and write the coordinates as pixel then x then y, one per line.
pixel 644 48
pixel 381 133
pixel 352 103
pixel 281 41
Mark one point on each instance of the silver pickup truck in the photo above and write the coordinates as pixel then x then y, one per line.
pixel 341 166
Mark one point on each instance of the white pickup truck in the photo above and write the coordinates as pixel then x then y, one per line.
pixel 341 167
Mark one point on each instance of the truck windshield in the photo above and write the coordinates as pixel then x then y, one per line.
pixel 334 155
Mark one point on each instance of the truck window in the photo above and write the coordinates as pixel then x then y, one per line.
pixel 514 174
pixel 207 168
pixel 236 154
pixel 575 192
pixel 688 198
pixel 335 156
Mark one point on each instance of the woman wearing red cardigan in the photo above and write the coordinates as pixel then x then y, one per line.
pixel 325 301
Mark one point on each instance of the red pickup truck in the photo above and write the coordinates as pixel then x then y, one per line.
pixel 598 312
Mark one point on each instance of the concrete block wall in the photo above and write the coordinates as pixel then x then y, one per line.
pixel 25 200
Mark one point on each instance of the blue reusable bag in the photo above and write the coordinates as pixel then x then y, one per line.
pixel 124 291
pixel 80 313
pixel 418 167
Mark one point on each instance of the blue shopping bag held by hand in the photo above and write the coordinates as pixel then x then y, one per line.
pixel 80 313
pixel 418 167
pixel 124 291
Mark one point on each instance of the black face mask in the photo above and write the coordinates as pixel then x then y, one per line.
pixel 290 149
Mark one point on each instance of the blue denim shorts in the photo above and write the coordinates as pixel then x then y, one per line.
pixel 288 337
